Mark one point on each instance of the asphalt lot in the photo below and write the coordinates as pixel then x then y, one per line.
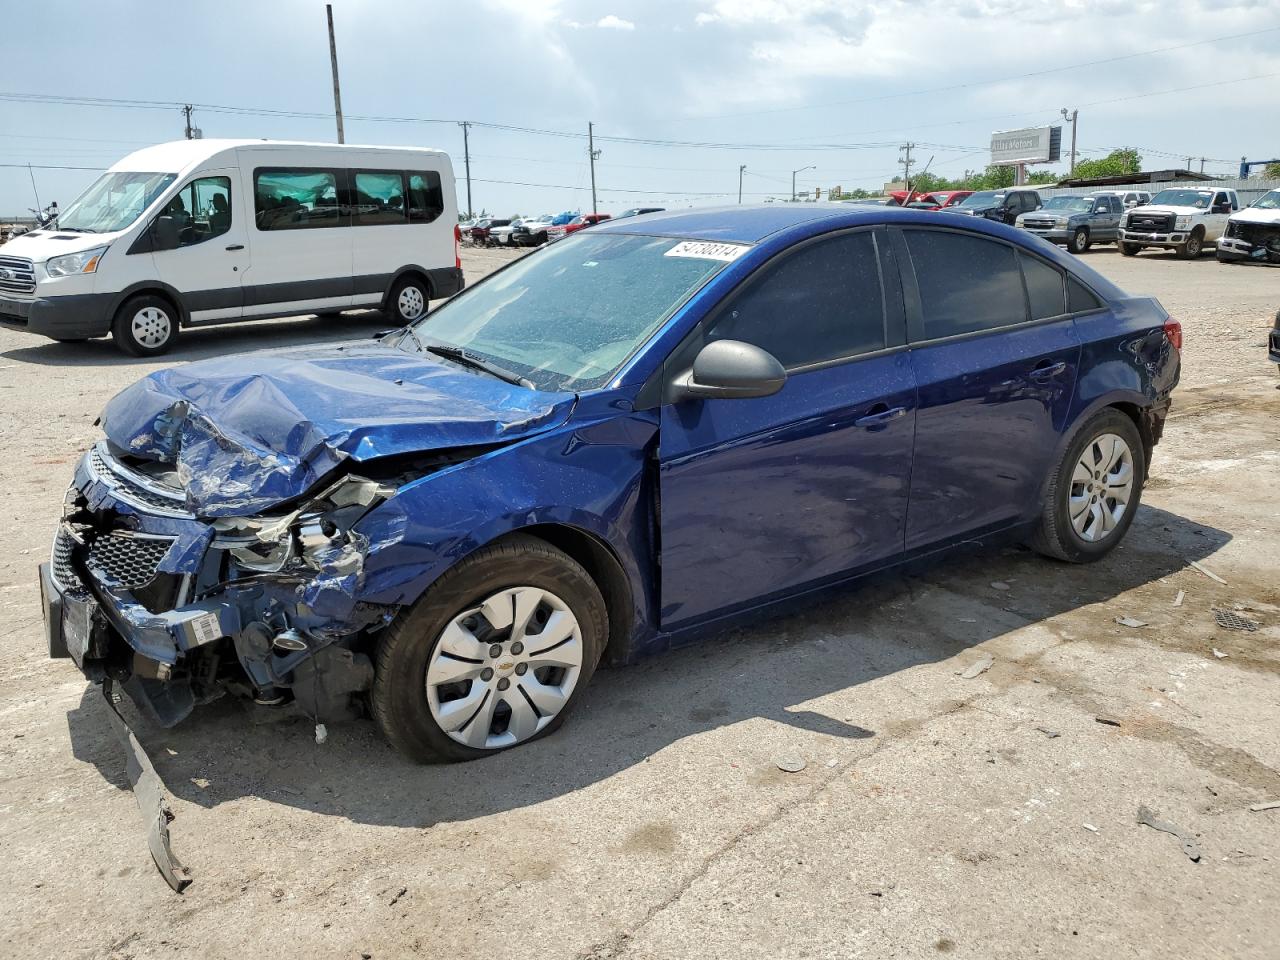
pixel 985 817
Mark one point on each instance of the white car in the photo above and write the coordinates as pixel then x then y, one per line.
pixel 502 235
pixel 1180 218
pixel 1254 232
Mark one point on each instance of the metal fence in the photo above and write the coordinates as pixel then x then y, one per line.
pixel 1248 190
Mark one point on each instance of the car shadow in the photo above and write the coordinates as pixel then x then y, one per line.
pixel 199 343
pixel 228 750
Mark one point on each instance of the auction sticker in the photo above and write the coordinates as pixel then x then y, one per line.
pixel 204 628
pixel 708 250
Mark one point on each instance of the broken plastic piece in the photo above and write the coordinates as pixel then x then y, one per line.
pixel 1130 622
pixel 999 585
pixel 148 790
pixel 1230 620
pixel 322 733
pixel 1269 805
pixel 1189 845
pixel 1090 827
pixel 1219 654
pixel 981 665
pixel 1207 572
pixel 1177 601
pixel 790 764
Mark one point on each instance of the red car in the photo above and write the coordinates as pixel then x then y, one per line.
pixel 576 224
pixel 940 198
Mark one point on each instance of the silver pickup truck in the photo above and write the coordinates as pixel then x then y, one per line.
pixel 1078 222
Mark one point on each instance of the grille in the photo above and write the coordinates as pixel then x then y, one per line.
pixel 127 560
pixel 64 573
pixel 17 275
pixel 1039 224
pixel 1151 221
pixel 132 490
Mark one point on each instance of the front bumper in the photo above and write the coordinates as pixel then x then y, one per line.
pixel 1174 238
pixel 1233 248
pixel 1053 235
pixel 71 317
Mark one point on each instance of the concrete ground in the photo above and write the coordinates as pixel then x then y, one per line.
pixel 987 817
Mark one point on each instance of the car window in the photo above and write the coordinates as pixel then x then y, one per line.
pixel 426 197
pixel 297 199
pixel 379 198
pixel 1079 297
pixel 966 283
pixel 822 302
pixel 1044 288
pixel 200 211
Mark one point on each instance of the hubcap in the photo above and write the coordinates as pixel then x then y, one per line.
pixel 1101 487
pixel 410 303
pixel 489 700
pixel 151 326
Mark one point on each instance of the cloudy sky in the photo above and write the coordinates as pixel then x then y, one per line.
pixel 774 84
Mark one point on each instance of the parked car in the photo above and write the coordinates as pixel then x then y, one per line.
pixel 947 198
pixel 638 211
pixel 551 470
pixel 480 232
pixel 936 199
pixel 1130 198
pixel 1078 222
pixel 560 231
pixel 199 232
pixel 500 236
pixel 1182 219
pixel 532 232
pixel 1002 206
pixel 1254 232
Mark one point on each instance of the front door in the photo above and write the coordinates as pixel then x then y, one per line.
pixel 761 496
pixel 995 357
pixel 200 246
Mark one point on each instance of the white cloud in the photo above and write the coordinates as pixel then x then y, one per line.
pixel 611 22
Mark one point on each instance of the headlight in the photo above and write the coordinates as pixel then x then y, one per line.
pixel 1182 223
pixel 1061 222
pixel 86 261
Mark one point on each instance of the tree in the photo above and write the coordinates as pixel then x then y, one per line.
pixel 1272 171
pixel 1118 163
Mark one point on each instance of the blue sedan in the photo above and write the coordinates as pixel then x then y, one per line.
pixel 652 429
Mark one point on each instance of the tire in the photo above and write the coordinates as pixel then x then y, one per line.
pixel 540 239
pixel 1056 534
pixel 1128 249
pixel 1080 240
pixel 145 326
pixel 408 299
pixel 1193 247
pixel 412 689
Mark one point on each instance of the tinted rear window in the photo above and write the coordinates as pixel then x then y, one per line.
pixel 1080 297
pixel 966 283
pixel 1044 288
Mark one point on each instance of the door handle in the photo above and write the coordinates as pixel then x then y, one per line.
pixel 236 246
pixel 1047 369
pixel 880 416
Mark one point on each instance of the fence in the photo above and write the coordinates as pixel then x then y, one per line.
pixel 1248 190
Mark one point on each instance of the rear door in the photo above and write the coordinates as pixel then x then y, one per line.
pixel 1106 218
pixel 995 356
pixel 760 496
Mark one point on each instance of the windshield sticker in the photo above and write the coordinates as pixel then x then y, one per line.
pixel 706 250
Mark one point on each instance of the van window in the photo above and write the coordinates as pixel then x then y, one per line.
pixel 966 283
pixel 1044 288
pixel 200 211
pixel 426 199
pixel 379 198
pixel 296 199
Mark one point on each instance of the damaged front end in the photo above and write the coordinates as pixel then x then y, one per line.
pixel 180 609
pixel 1248 240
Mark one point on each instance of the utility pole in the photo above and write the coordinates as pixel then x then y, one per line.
pixel 907 163
pixel 333 62
pixel 593 154
pixel 1202 164
pixel 466 159
pixel 1075 115
pixel 793 179
pixel 742 168
pixel 186 112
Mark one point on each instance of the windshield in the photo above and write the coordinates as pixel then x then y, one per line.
pixel 1268 201
pixel 114 201
pixel 569 316
pixel 1183 198
pixel 1069 203
pixel 984 198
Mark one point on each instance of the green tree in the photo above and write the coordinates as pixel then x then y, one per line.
pixel 1117 163
pixel 1272 171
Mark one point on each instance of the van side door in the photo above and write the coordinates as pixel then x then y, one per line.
pixel 198 241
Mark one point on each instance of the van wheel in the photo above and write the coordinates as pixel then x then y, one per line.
pixel 493 655
pixel 1129 249
pixel 408 300
pixel 1193 247
pixel 145 326
pixel 1080 240
pixel 1094 492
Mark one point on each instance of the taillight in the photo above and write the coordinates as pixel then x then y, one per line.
pixel 1173 333
pixel 457 247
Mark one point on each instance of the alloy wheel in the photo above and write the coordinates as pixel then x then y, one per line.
pixel 151 326
pixel 501 671
pixel 410 303
pixel 1101 487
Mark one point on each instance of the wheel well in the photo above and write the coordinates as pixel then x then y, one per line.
pixel 159 292
pixel 1198 231
pixel 598 559
pixel 1134 413
pixel 418 274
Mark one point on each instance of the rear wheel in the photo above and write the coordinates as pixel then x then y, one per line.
pixel 493 655
pixel 408 299
pixel 145 326
pixel 1129 249
pixel 1094 492
pixel 1080 240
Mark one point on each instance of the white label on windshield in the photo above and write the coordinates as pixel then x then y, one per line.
pixel 707 250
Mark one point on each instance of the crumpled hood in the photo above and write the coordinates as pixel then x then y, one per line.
pixel 1256 215
pixel 246 432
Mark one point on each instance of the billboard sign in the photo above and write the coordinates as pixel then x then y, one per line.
pixel 1032 145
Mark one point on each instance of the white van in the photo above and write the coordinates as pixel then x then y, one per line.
pixel 200 232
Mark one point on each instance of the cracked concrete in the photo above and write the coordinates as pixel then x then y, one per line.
pixel 934 816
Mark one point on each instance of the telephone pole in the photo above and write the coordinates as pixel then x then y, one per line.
pixel 333 62
pixel 466 159
pixel 742 168
pixel 594 155
pixel 186 112
pixel 907 163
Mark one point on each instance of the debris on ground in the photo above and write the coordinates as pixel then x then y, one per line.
pixel 981 665
pixel 396 898
pixel 1230 620
pixel 790 764
pixel 1207 572
pixel 1107 721
pixel 1090 827
pixel 1269 805
pixel 1219 654
pixel 1051 734
pixel 1182 595
pixel 1130 622
pixel 200 782
pixel 322 733
pixel 999 585
pixel 1189 845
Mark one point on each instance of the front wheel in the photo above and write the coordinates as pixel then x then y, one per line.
pixel 493 655
pixel 1093 494
pixel 145 326
pixel 1192 248
pixel 408 300
pixel 1080 240
pixel 1129 249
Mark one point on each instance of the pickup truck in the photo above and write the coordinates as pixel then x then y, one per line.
pixel 1182 219
pixel 1078 222
pixel 1254 232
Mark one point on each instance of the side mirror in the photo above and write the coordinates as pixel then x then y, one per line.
pixel 164 234
pixel 731 369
